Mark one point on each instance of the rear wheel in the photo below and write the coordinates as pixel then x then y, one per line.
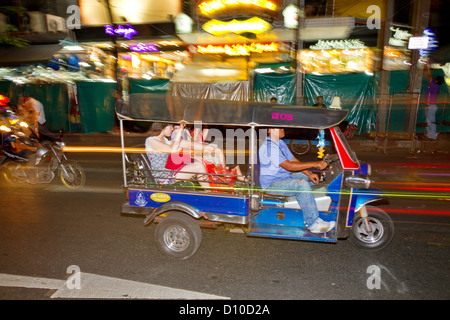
pixel 72 175
pixel 178 235
pixel 380 233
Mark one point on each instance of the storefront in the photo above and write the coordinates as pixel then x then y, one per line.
pixel 143 51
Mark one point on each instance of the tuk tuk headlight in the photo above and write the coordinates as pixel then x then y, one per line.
pixel 358 182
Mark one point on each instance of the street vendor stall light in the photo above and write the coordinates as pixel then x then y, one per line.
pixel 73 48
pixel 265 70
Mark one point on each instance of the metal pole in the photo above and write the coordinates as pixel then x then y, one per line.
pixel 116 51
pixel 385 74
pixel 300 76
pixel 253 149
pixel 420 22
pixel 122 143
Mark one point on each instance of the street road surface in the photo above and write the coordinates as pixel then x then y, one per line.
pixel 48 232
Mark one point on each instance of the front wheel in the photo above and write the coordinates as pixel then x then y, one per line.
pixel 72 175
pixel 377 235
pixel 7 171
pixel 178 235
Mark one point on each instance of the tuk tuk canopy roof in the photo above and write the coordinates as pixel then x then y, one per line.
pixel 174 109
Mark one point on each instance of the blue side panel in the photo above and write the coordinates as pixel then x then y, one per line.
pixel 334 188
pixel 211 202
pixel 363 169
pixel 287 224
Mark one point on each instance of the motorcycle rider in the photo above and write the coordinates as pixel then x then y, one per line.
pixel 25 143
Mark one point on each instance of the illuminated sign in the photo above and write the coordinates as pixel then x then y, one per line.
pixel 418 43
pixel 433 43
pixel 143 47
pixel 127 32
pixel 255 25
pixel 210 7
pixel 239 49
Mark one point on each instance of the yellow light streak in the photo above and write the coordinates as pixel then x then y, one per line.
pixel 255 25
pixel 210 7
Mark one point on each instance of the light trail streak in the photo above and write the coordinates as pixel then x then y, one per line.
pixel 102 149
pixel 416 165
pixel 127 150
pixel 419 174
pixel 410 211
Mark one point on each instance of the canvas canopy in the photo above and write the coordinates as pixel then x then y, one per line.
pixel 169 108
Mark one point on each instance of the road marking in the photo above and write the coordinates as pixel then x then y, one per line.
pixel 94 286
pixel 11 280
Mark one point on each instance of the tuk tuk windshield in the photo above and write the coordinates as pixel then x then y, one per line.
pixel 345 145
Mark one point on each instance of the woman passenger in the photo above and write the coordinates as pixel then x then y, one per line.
pixel 159 147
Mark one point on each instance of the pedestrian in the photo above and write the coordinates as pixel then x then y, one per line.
pixel 273 100
pixel 319 103
pixel 283 174
pixel 434 87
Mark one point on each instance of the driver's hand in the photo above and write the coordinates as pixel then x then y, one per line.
pixel 314 178
pixel 322 165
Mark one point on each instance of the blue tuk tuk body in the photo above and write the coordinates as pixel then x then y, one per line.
pixel 344 195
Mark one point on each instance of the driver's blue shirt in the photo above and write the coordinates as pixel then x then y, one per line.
pixel 271 154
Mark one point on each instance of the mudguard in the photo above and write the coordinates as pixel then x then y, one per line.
pixel 173 206
pixel 367 196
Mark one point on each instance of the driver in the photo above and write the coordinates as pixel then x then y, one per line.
pixel 282 174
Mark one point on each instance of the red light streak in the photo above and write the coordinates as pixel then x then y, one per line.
pixel 417 165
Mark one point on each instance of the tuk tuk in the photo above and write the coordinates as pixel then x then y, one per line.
pixel 182 208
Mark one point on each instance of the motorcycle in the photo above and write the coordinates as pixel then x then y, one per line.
pixel 47 162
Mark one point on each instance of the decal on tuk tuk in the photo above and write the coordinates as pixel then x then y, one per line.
pixel 160 197
pixel 142 198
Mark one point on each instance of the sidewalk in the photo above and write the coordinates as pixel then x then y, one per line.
pixel 358 143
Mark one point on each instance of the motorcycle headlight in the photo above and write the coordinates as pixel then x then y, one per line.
pixel 358 182
pixel 61 144
pixel 4 128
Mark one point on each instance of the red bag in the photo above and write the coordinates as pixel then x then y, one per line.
pixel 178 160
pixel 229 176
